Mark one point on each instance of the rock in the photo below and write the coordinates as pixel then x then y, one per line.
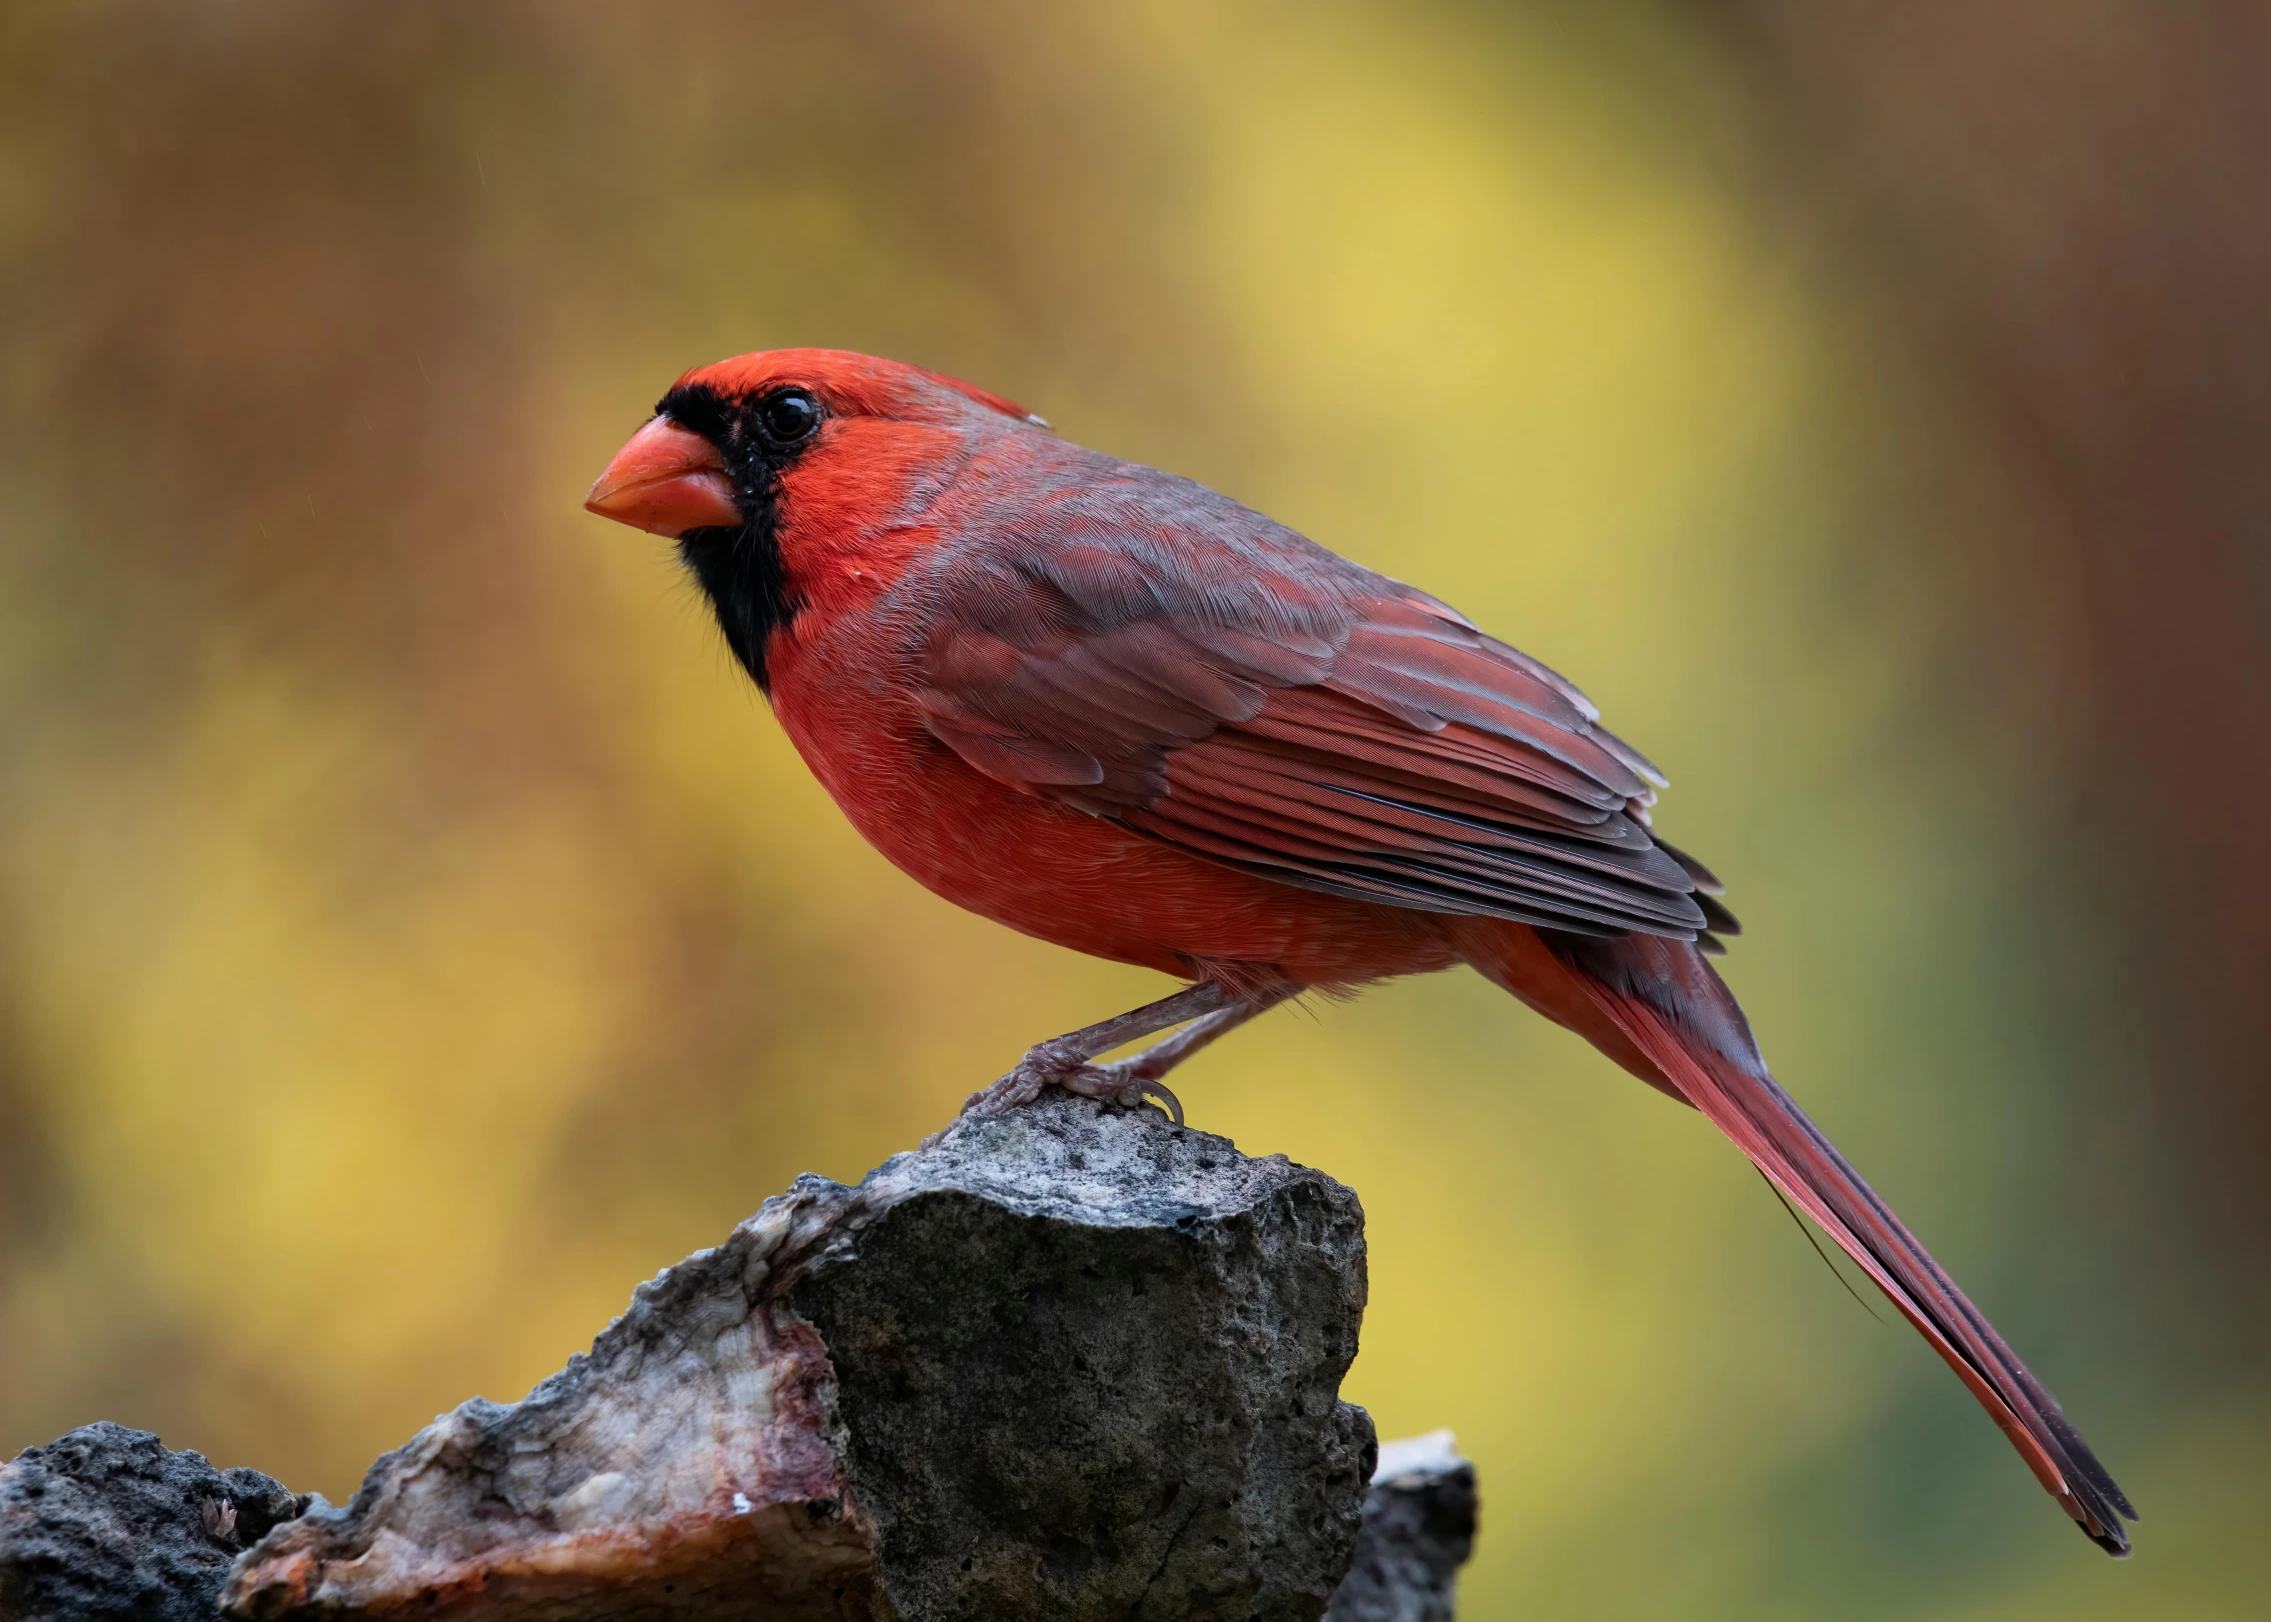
pixel 1419 1526
pixel 105 1523
pixel 1070 1363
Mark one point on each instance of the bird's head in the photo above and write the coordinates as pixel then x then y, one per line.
pixel 762 466
pixel 723 440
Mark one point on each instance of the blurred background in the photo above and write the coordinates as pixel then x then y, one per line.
pixel 413 930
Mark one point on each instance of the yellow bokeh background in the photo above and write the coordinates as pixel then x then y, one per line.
pixel 416 931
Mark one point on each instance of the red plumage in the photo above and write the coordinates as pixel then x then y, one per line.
pixel 1110 708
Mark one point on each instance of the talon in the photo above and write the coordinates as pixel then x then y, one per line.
pixel 1159 1090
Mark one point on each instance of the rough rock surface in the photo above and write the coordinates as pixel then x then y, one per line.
pixel 104 1523
pixel 1068 1363
pixel 1419 1527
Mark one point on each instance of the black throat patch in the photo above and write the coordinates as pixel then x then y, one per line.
pixel 739 569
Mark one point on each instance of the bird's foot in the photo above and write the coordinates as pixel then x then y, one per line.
pixel 1125 1083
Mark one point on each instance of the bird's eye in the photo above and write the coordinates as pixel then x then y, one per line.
pixel 787 418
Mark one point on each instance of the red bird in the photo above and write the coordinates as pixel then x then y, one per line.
pixel 1108 707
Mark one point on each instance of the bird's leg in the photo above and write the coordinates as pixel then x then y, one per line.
pixel 1063 1061
pixel 1144 1069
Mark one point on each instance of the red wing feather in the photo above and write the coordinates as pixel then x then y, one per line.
pixel 1295 715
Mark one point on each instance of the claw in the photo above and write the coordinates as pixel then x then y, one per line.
pixel 1159 1090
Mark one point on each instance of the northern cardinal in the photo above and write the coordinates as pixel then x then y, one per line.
pixel 1108 707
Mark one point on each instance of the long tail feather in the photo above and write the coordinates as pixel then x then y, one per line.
pixel 1671 1005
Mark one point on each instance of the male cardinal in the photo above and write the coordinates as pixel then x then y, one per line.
pixel 1108 707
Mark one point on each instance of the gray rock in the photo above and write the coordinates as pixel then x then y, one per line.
pixel 1419 1527
pixel 104 1523
pixel 1069 1363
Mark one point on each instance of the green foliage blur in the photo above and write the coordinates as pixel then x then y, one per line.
pixel 414 931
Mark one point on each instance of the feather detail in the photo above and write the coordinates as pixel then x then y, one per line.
pixel 1681 1016
pixel 1296 716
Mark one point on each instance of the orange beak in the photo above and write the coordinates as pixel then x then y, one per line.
pixel 666 480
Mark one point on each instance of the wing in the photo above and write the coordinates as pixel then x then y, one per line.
pixel 1199 674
